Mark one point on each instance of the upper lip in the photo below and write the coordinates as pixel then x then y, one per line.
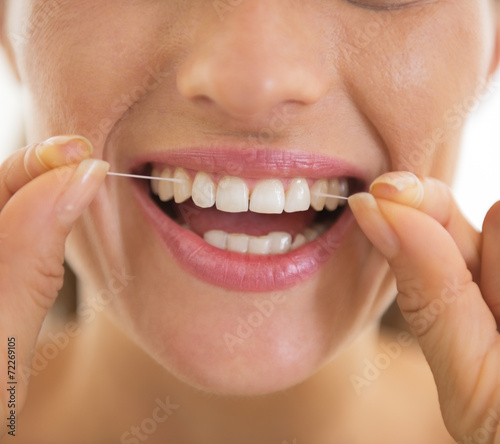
pixel 256 163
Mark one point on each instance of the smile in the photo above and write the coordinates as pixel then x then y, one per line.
pixel 237 195
pixel 262 229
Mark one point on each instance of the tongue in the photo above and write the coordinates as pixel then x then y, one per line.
pixel 201 220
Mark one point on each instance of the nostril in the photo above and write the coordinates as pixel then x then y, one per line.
pixel 190 82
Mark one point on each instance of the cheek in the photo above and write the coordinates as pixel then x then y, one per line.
pixel 89 62
pixel 416 78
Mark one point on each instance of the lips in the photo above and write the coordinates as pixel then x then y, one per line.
pixel 269 230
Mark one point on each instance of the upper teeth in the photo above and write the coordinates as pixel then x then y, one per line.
pixel 233 195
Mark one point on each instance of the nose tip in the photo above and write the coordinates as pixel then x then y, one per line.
pixel 248 69
pixel 244 87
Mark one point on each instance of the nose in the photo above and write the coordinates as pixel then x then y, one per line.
pixel 259 55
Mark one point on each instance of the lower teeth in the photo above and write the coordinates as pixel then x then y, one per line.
pixel 273 243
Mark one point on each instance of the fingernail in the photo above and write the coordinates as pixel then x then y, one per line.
pixel 63 150
pixel 372 222
pixel 399 186
pixel 82 188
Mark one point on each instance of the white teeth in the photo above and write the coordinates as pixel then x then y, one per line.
pixel 339 187
pixel 298 197
pixel 343 191
pixel 318 202
pixel 259 245
pixel 280 242
pixel 299 240
pixel 273 243
pixel 237 242
pixel 268 197
pixel 165 188
pixel 232 195
pixel 203 191
pixel 216 238
pixel 333 188
pixel 155 183
pixel 182 190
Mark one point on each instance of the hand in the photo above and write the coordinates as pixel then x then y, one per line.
pixel 448 284
pixel 44 188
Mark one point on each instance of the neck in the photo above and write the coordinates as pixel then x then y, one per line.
pixel 316 408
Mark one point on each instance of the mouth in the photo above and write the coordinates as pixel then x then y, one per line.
pixel 250 227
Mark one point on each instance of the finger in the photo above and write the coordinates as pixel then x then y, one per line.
pixel 441 303
pixel 33 160
pixel 35 223
pixel 434 198
pixel 490 260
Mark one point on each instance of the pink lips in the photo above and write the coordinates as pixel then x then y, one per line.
pixel 243 272
pixel 254 163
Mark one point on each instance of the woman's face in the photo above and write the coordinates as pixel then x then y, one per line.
pixel 254 90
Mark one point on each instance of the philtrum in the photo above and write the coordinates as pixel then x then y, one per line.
pixel 168 179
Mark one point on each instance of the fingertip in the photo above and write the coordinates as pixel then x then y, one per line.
pixel 63 150
pixel 94 169
pixel 81 189
pixel 361 204
pixel 402 187
pixel 361 200
pixel 492 218
pixel 370 219
pixel 56 152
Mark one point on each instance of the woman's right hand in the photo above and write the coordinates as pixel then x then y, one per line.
pixel 44 188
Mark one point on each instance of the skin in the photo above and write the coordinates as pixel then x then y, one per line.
pixel 374 75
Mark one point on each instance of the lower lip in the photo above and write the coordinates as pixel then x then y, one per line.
pixel 236 271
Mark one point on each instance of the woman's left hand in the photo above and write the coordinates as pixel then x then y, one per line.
pixel 448 280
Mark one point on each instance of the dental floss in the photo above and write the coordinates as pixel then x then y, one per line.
pixel 168 179
pixel 330 195
pixel 135 176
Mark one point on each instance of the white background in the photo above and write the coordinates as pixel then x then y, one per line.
pixel 477 184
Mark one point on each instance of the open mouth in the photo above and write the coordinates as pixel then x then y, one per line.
pixel 251 231
pixel 265 217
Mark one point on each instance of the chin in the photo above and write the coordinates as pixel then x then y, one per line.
pixel 241 344
pixel 271 359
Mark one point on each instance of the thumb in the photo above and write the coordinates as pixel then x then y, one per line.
pixel 34 225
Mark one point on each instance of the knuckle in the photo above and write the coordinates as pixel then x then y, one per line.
pixel 48 278
pixel 421 320
pixel 423 303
